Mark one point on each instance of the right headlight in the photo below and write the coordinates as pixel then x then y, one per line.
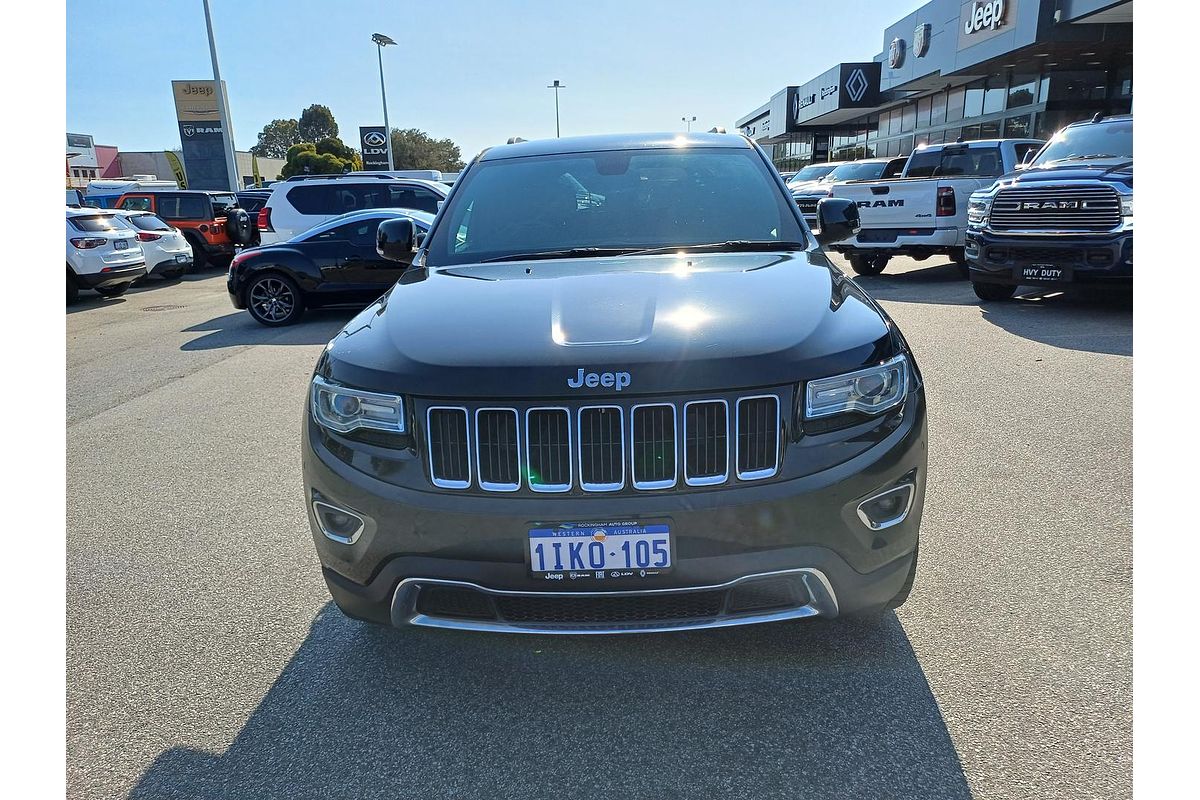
pixel 344 409
pixel 977 209
pixel 871 391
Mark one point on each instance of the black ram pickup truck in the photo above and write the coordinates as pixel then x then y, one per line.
pixel 1064 219
pixel 659 409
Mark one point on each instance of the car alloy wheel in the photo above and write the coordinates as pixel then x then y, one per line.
pixel 274 300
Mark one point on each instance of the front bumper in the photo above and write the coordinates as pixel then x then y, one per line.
pixel 804 532
pixel 1095 260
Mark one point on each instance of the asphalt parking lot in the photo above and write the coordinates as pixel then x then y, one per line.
pixel 204 659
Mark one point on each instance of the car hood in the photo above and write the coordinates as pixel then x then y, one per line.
pixel 675 324
pixel 1113 169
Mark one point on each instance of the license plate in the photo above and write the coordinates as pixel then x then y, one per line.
pixel 599 551
pixel 120 244
pixel 1048 273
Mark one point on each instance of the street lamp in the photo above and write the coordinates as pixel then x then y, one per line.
pixel 689 122
pixel 381 42
pixel 556 86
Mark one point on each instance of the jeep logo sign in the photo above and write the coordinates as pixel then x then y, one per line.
pixel 609 380
pixel 373 144
pixel 983 19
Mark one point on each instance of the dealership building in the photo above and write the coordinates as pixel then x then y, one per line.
pixel 978 69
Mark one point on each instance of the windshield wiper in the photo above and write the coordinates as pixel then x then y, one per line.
pixel 573 252
pixel 1090 155
pixel 730 246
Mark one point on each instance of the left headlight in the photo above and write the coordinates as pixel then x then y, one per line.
pixel 1127 206
pixel 870 391
pixel 343 409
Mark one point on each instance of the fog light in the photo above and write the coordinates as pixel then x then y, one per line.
pixel 338 524
pixel 887 508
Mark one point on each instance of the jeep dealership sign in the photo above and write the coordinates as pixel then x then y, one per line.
pixel 372 141
pixel 980 20
pixel 201 135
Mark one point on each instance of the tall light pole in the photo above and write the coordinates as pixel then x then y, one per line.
pixel 556 86
pixel 382 41
pixel 689 122
pixel 235 182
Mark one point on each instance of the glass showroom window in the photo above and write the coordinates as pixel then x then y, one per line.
pixel 993 96
pixel 955 104
pixel 1022 91
pixel 974 102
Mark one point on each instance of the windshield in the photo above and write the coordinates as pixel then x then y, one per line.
pixel 100 223
pixel 621 199
pixel 1098 140
pixel 812 172
pixel 858 171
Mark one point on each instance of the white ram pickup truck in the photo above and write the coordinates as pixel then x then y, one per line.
pixel 924 211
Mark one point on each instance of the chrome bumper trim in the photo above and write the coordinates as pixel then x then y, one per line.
pixel 823 602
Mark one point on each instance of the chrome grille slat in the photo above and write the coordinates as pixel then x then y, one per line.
pixel 653 434
pixel 706 442
pixel 601 448
pixel 497 449
pixel 449 459
pixel 548 449
pixel 757 437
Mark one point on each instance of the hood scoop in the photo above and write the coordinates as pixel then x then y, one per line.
pixel 594 310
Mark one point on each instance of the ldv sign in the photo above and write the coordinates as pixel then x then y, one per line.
pixel 982 19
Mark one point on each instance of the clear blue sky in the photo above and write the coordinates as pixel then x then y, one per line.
pixel 471 70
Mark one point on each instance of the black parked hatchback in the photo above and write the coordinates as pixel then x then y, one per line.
pixel 618 388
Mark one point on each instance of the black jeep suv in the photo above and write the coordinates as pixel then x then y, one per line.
pixel 618 388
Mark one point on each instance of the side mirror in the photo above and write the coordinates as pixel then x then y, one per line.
pixel 395 239
pixel 837 219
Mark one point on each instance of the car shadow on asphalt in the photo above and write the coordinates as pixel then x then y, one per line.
pixel 1086 319
pixel 819 709
pixel 89 299
pixel 317 326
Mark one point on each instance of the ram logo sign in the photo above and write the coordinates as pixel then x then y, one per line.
pixel 880 203
pixel 1036 205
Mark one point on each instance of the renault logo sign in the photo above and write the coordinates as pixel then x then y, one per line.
pixel 374 139
pixel 856 85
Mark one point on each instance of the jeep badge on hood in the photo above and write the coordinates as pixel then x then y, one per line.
pixel 609 380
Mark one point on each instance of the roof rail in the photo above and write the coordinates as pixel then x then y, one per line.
pixel 717 129
pixel 332 175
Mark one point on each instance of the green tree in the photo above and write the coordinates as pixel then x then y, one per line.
pixel 276 137
pixel 415 149
pixel 300 156
pixel 336 147
pixel 316 123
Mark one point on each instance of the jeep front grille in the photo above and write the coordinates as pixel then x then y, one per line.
pixel 1056 208
pixel 604 448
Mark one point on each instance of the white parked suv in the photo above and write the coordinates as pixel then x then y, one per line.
pixel 103 252
pixel 168 254
pixel 303 201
